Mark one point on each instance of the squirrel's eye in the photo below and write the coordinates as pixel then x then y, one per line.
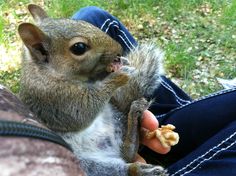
pixel 79 48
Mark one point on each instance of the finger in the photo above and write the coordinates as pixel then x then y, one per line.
pixel 139 159
pixel 149 121
pixel 155 145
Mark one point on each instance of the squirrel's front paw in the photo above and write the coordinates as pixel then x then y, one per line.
pixel 118 78
pixel 165 134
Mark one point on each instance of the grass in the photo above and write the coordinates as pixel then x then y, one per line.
pixel 229 14
pixel 2 22
pixel 1 29
pixel 198 36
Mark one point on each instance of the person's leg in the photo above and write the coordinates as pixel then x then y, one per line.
pixel 168 96
pixel 217 156
pixel 108 24
pixel 197 122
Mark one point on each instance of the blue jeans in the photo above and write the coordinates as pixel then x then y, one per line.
pixel 207 127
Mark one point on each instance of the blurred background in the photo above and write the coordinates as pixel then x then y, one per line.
pixel 198 36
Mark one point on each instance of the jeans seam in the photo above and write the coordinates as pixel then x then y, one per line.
pixel 167 86
pixel 105 23
pixel 110 24
pixel 217 93
pixel 206 97
pixel 123 38
pixel 215 150
pixel 172 91
pixel 124 42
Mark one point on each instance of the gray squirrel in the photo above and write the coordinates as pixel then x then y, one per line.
pixel 76 82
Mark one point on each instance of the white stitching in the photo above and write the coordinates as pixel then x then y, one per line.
pixel 127 39
pixel 124 41
pixel 195 101
pixel 206 97
pixel 217 93
pixel 171 90
pixel 202 98
pixel 108 27
pixel 130 43
pixel 104 23
pixel 125 36
pixel 206 159
pixel 166 85
pixel 159 116
pixel 210 157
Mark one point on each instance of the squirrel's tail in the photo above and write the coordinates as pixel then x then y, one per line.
pixel 147 61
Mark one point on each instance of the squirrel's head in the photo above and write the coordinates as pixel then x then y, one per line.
pixel 74 49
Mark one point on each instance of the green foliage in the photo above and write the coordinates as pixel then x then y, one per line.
pixel 229 14
pixel 1 23
pixel 1 29
pixel 179 63
pixel 58 8
pixel 11 80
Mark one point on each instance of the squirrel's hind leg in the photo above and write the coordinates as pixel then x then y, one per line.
pixel 140 169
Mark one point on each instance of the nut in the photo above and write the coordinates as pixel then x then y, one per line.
pixel 165 134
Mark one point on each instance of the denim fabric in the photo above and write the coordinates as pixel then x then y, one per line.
pixel 215 157
pixel 207 126
pixel 197 122
pixel 108 24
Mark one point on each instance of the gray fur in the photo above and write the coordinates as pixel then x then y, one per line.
pixel 91 113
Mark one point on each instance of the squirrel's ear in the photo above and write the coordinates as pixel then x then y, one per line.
pixel 37 12
pixel 34 39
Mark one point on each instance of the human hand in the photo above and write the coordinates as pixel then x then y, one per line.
pixel 149 122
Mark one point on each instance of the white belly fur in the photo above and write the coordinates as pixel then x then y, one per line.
pixel 92 142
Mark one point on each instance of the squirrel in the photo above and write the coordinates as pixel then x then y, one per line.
pixel 76 82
